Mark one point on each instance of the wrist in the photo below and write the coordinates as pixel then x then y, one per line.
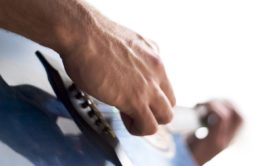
pixel 73 32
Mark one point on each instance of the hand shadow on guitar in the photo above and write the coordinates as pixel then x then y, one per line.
pixel 28 125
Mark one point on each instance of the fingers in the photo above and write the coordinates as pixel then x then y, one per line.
pixel 151 56
pixel 144 119
pixel 218 109
pixel 141 122
pixel 219 132
pixel 160 97
pixel 221 114
pixel 228 111
pixel 167 89
pixel 161 108
pixel 227 124
pixel 236 117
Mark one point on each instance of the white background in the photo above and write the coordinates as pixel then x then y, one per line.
pixel 210 49
pixel 214 48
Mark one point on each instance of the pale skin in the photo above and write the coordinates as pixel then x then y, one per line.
pixel 112 63
pixel 108 61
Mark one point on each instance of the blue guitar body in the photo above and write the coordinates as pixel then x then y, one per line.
pixel 29 127
pixel 37 129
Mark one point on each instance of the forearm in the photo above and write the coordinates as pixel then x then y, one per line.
pixel 58 24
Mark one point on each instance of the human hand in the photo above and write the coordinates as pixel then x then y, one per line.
pixel 123 69
pixel 221 131
pixel 108 61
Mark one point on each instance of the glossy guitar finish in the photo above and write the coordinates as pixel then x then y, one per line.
pixel 163 147
pixel 36 128
pixel 29 127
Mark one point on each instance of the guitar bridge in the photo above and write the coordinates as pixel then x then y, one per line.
pixel 88 110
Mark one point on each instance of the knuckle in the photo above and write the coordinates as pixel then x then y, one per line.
pixel 151 85
pixel 131 43
pixel 138 99
pixel 167 118
pixel 163 116
pixel 139 107
pixel 156 61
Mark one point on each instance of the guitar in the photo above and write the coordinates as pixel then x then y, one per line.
pixel 36 128
pixel 102 125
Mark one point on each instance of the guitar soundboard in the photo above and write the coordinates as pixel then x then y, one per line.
pixel 37 128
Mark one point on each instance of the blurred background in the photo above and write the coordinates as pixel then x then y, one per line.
pixel 214 49
pixel 210 48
